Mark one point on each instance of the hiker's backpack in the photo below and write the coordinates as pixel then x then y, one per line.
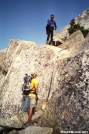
pixel 27 80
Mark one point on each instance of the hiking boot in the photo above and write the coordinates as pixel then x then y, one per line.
pixel 50 44
pixel 27 124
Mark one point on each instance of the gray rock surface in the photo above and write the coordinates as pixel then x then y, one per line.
pixel 21 58
pixel 37 130
pixel 64 74
pixel 2 56
pixel 1 129
pixel 70 101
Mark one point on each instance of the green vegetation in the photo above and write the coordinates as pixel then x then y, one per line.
pixel 74 27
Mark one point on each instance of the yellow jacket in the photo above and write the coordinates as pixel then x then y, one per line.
pixel 33 82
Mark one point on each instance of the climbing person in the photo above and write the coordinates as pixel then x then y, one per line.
pixel 32 97
pixel 50 27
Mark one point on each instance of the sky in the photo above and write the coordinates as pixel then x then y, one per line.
pixel 26 19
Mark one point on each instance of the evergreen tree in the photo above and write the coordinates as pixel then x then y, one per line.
pixel 74 27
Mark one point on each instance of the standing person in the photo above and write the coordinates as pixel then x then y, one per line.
pixel 32 97
pixel 50 27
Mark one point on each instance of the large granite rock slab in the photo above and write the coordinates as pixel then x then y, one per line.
pixel 63 75
pixel 21 58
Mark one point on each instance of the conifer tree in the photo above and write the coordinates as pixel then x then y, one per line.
pixel 74 27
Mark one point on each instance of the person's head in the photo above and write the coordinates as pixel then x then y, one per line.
pixel 52 16
pixel 33 74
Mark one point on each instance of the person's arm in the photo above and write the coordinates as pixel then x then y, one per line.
pixel 35 87
pixel 55 25
pixel 47 26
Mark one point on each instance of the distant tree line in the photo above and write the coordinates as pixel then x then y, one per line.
pixel 74 27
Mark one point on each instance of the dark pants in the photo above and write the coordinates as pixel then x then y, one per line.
pixel 50 33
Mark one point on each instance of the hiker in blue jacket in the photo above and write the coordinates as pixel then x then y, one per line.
pixel 50 27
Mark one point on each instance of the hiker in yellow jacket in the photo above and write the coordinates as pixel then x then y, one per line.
pixel 32 96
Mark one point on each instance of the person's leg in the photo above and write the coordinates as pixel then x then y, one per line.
pixel 46 29
pixel 51 36
pixel 32 106
pixel 30 112
pixel 29 118
pixel 48 35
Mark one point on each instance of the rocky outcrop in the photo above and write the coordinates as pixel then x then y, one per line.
pixel 28 130
pixel 15 48
pixel 63 76
pixel 37 130
pixel 21 58
pixel 82 19
pixel 2 72
pixel 70 101
pixel 2 55
pixel 57 41
pixel 73 40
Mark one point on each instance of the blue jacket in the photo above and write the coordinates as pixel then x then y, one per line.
pixel 51 24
